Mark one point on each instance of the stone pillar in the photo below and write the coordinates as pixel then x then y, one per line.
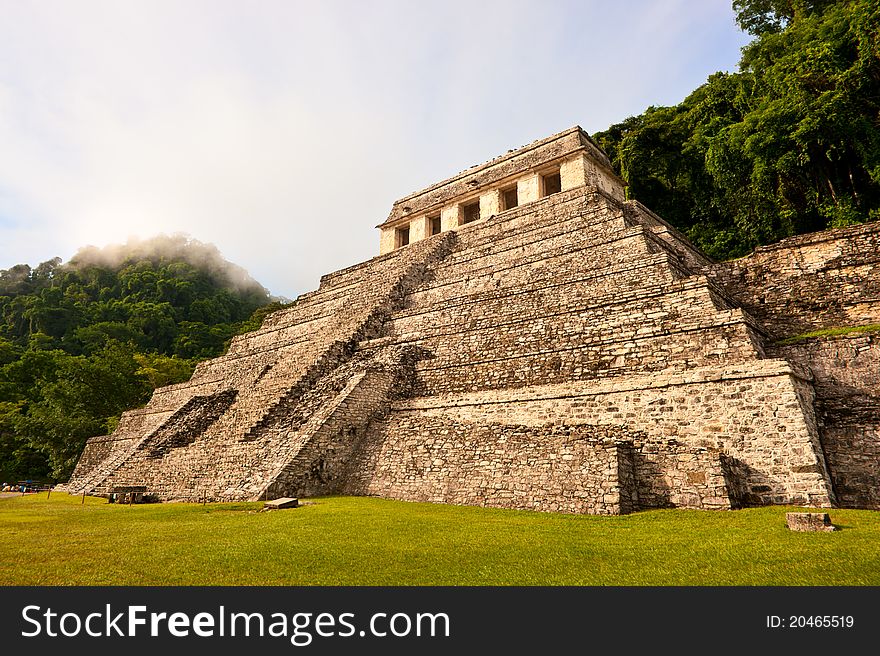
pixel 386 240
pixel 528 188
pixel 490 203
pixel 572 172
pixel 419 229
pixel 450 217
pixel 604 179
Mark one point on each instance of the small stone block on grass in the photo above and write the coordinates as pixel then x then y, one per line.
pixel 809 522
pixel 281 504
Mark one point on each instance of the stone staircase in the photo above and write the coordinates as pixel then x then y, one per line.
pixel 90 481
pixel 271 371
pixel 309 439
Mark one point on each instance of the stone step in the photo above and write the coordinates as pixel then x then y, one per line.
pixel 544 299
pixel 384 265
pixel 499 366
pixel 541 238
pixel 504 236
pixel 628 246
pixel 653 269
pixel 511 321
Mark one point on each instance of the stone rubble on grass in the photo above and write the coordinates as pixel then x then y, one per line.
pixel 805 521
pixel 281 504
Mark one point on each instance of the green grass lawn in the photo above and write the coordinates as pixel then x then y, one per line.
pixel 364 541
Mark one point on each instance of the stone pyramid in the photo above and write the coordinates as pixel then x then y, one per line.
pixel 529 339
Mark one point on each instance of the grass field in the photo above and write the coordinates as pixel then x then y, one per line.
pixel 364 541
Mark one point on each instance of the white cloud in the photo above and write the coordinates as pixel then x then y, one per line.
pixel 282 131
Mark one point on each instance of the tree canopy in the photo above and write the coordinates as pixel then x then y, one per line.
pixel 787 145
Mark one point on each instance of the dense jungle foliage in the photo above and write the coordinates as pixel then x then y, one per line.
pixel 82 342
pixel 789 144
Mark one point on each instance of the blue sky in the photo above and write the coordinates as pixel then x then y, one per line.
pixel 283 131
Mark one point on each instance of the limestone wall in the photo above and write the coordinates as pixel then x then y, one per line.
pixel 850 429
pixel 97 450
pixel 842 365
pixel 670 474
pixel 561 468
pixel 419 457
pixel 846 376
pixel 754 413
pixel 821 280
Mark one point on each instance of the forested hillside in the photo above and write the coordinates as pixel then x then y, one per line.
pixel 83 341
pixel 790 144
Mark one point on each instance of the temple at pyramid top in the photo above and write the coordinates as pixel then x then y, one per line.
pixel 564 161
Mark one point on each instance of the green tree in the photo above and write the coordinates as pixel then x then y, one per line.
pixel 160 370
pixel 769 16
pixel 75 397
pixel 788 145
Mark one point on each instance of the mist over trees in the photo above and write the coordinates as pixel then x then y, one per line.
pixel 83 341
pixel 788 145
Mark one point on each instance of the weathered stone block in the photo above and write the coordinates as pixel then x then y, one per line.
pixel 281 504
pixel 798 521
